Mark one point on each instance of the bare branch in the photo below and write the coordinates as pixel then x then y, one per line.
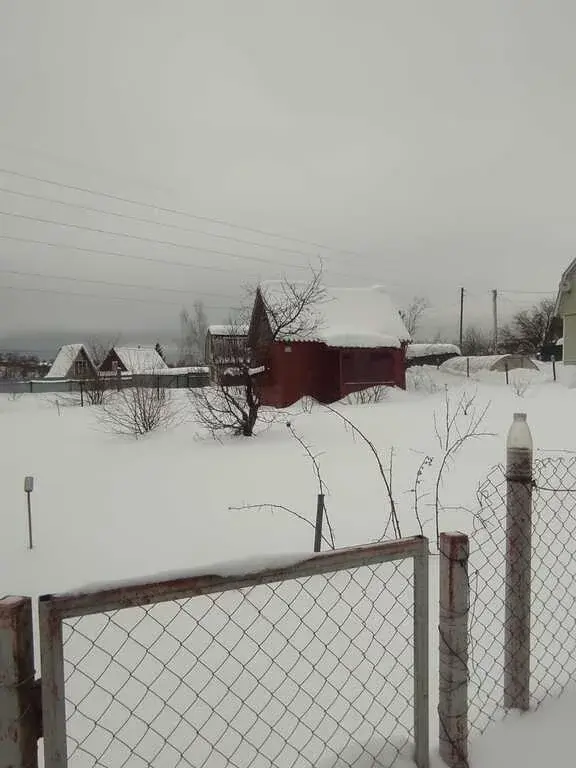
pixel 232 405
pixel 138 409
pixel 461 424
pixel 193 330
pixel 387 481
pixel 298 516
pixel 292 311
pixel 412 314
pixel 321 486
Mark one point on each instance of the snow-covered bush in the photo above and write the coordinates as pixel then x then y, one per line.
pixel 138 410
pixel 367 396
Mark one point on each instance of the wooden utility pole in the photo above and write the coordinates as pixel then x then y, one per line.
pixel 495 321
pixel 461 334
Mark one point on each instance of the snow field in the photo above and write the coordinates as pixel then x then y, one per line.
pixel 108 508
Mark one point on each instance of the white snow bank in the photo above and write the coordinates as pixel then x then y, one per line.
pixel 542 739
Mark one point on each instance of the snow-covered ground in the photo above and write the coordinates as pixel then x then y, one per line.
pixel 107 507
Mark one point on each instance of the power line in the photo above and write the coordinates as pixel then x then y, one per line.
pixel 110 283
pixel 119 254
pixel 143 220
pixel 213 220
pixel 155 241
pixel 527 293
pixel 101 297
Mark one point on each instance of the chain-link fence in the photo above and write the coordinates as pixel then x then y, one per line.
pixel 553 589
pixel 314 666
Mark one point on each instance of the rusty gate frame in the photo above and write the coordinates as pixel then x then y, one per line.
pixel 54 609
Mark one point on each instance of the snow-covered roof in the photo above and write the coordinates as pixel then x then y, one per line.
pixel 477 363
pixel 183 370
pixel 228 330
pixel 342 317
pixel 140 359
pixel 64 360
pixel 428 350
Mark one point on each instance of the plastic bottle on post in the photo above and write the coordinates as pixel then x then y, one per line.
pixel 519 447
pixel 518 565
pixel 519 435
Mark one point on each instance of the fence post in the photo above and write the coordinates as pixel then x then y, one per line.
pixel 421 658
pixel 53 685
pixel 319 522
pixel 19 721
pixel 554 366
pixel 453 661
pixel 468 367
pixel 518 565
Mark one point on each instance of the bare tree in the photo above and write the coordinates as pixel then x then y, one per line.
pixel 529 329
pixel 94 388
pixel 476 341
pixel 412 314
pixel 99 346
pixel 193 330
pixel 232 405
pixel 137 410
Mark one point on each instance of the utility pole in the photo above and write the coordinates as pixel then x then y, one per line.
pixel 461 334
pixel 495 320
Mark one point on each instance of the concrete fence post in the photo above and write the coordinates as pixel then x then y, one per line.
pixel 19 703
pixel 453 657
pixel 519 481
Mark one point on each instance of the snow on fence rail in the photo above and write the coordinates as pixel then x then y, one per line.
pixel 320 662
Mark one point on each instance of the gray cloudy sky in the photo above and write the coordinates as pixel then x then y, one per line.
pixel 430 143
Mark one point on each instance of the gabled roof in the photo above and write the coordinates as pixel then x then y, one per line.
pixel 342 317
pixel 140 359
pixel 565 281
pixel 65 359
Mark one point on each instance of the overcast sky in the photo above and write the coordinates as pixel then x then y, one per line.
pixel 429 144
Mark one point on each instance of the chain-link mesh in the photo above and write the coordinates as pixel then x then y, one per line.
pixel 553 600
pixel 315 671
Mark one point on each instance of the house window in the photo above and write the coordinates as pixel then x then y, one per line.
pixel 80 367
pixel 287 349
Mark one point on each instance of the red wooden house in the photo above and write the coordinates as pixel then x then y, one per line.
pixel 352 339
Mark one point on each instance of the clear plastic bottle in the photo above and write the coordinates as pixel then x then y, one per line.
pixel 519 449
pixel 519 435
